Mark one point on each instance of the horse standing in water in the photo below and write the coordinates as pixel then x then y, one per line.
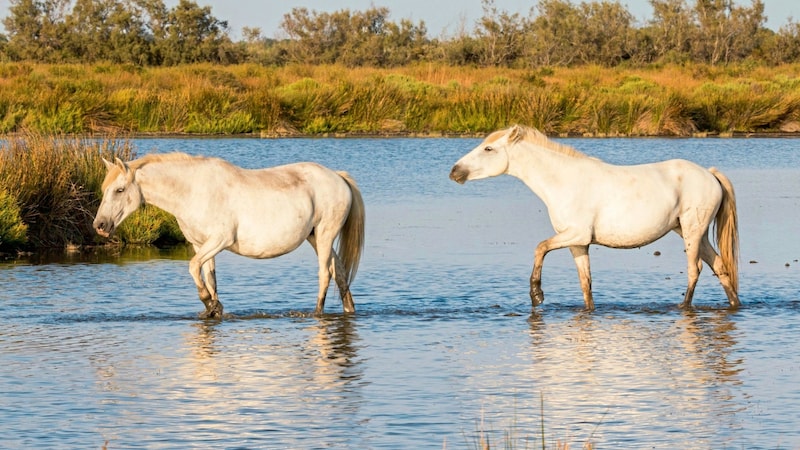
pixel 256 213
pixel 593 202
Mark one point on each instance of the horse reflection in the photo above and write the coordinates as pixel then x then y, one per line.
pixel 634 367
pixel 333 350
pixel 710 336
pixel 269 356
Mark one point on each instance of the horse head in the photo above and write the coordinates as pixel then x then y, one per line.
pixel 121 197
pixel 488 159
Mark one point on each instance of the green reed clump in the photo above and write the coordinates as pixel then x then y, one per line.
pixel 55 183
pixel 149 226
pixel 13 231
pixel 742 106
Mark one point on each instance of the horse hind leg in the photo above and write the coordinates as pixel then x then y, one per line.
pixel 344 288
pixel 324 252
pixel 710 256
pixel 694 266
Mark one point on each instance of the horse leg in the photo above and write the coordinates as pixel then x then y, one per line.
pixel 714 261
pixel 344 289
pixel 203 260
pixel 537 296
pixel 561 240
pixel 210 277
pixel 324 252
pixel 694 265
pixel 580 253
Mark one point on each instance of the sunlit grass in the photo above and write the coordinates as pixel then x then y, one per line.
pixel 418 99
pixel 50 191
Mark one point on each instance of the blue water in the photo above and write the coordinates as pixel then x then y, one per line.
pixel 444 351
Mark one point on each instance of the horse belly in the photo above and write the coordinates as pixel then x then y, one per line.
pixel 633 229
pixel 274 230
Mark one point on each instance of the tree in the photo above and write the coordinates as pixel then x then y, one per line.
pixel 726 32
pixel 501 36
pixel 671 28
pixel 191 34
pixel 555 33
pixel 364 38
pixel 35 29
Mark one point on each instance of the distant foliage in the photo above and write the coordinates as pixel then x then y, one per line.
pixel 554 33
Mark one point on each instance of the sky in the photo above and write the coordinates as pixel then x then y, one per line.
pixel 441 17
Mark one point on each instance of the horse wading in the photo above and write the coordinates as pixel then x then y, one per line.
pixel 593 202
pixel 260 213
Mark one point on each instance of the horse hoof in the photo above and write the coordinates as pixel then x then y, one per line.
pixel 537 297
pixel 214 313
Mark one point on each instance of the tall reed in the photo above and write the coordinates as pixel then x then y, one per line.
pixel 50 191
pixel 425 98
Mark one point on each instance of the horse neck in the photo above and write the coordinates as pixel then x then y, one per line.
pixel 165 185
pixel 545 172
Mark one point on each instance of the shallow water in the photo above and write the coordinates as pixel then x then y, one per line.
pixel 444 347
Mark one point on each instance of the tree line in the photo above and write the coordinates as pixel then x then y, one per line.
pixel 554 33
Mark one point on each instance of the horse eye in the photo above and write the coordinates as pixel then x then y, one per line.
pixel 488 149
pixel 120 190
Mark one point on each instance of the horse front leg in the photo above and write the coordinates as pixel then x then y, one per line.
pixel 537 296
pixel 580 254
pixel 568 238
pixel 203 260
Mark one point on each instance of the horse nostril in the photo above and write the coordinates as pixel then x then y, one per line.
pixel 458 175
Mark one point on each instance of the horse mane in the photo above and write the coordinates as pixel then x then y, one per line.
pixel 149 159
pixel 536 137
pixel 163 157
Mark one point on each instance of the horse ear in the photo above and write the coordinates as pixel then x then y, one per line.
pixel 124 168
pixel 109 164
pixel 515 133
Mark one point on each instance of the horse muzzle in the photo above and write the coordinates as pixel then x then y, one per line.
pixel 458 174
pixel 103 227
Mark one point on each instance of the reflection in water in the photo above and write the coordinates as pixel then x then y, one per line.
pixel 632 378
pixel 710 336
pixel 243 372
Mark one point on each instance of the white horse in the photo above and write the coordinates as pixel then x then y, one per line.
pixel 257 213
pixel 593 202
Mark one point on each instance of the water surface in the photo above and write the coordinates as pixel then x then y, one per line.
pixel 444 348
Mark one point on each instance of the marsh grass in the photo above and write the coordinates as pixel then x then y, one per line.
pixel 418 99
pixel 511 438
pixel 50 191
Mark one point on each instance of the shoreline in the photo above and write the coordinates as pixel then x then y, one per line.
pixel 410 134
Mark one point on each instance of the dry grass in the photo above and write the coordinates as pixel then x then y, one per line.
pixel 418 99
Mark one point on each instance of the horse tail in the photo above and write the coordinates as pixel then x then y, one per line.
pixel 726 228
pixel 351 236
